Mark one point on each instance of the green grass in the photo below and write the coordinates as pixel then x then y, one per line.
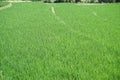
pixel 3 4
pixel 76 43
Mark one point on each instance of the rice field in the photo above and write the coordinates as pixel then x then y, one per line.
pixel 43 41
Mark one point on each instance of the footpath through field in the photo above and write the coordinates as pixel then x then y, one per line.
pixel 6 6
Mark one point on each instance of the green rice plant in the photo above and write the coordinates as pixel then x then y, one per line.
pixel 75 42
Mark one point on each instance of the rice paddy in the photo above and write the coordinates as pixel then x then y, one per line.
pixel 41 41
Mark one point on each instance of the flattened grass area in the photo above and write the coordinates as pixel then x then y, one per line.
pixel 3 3
pixel 77 43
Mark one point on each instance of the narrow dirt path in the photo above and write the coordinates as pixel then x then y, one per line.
pixel 5 7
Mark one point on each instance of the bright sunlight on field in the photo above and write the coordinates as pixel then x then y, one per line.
pixel 43 41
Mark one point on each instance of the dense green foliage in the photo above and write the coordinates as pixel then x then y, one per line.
pixel 76 43
pixel 71 1
pixel 84 1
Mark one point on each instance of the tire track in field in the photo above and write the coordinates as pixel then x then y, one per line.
pixel 67 25
pixel 77 32
pixel 93 11
pixel 102 18
pixel 63 22
pixel 57 17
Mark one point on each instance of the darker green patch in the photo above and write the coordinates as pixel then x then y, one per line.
pixel 3 4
